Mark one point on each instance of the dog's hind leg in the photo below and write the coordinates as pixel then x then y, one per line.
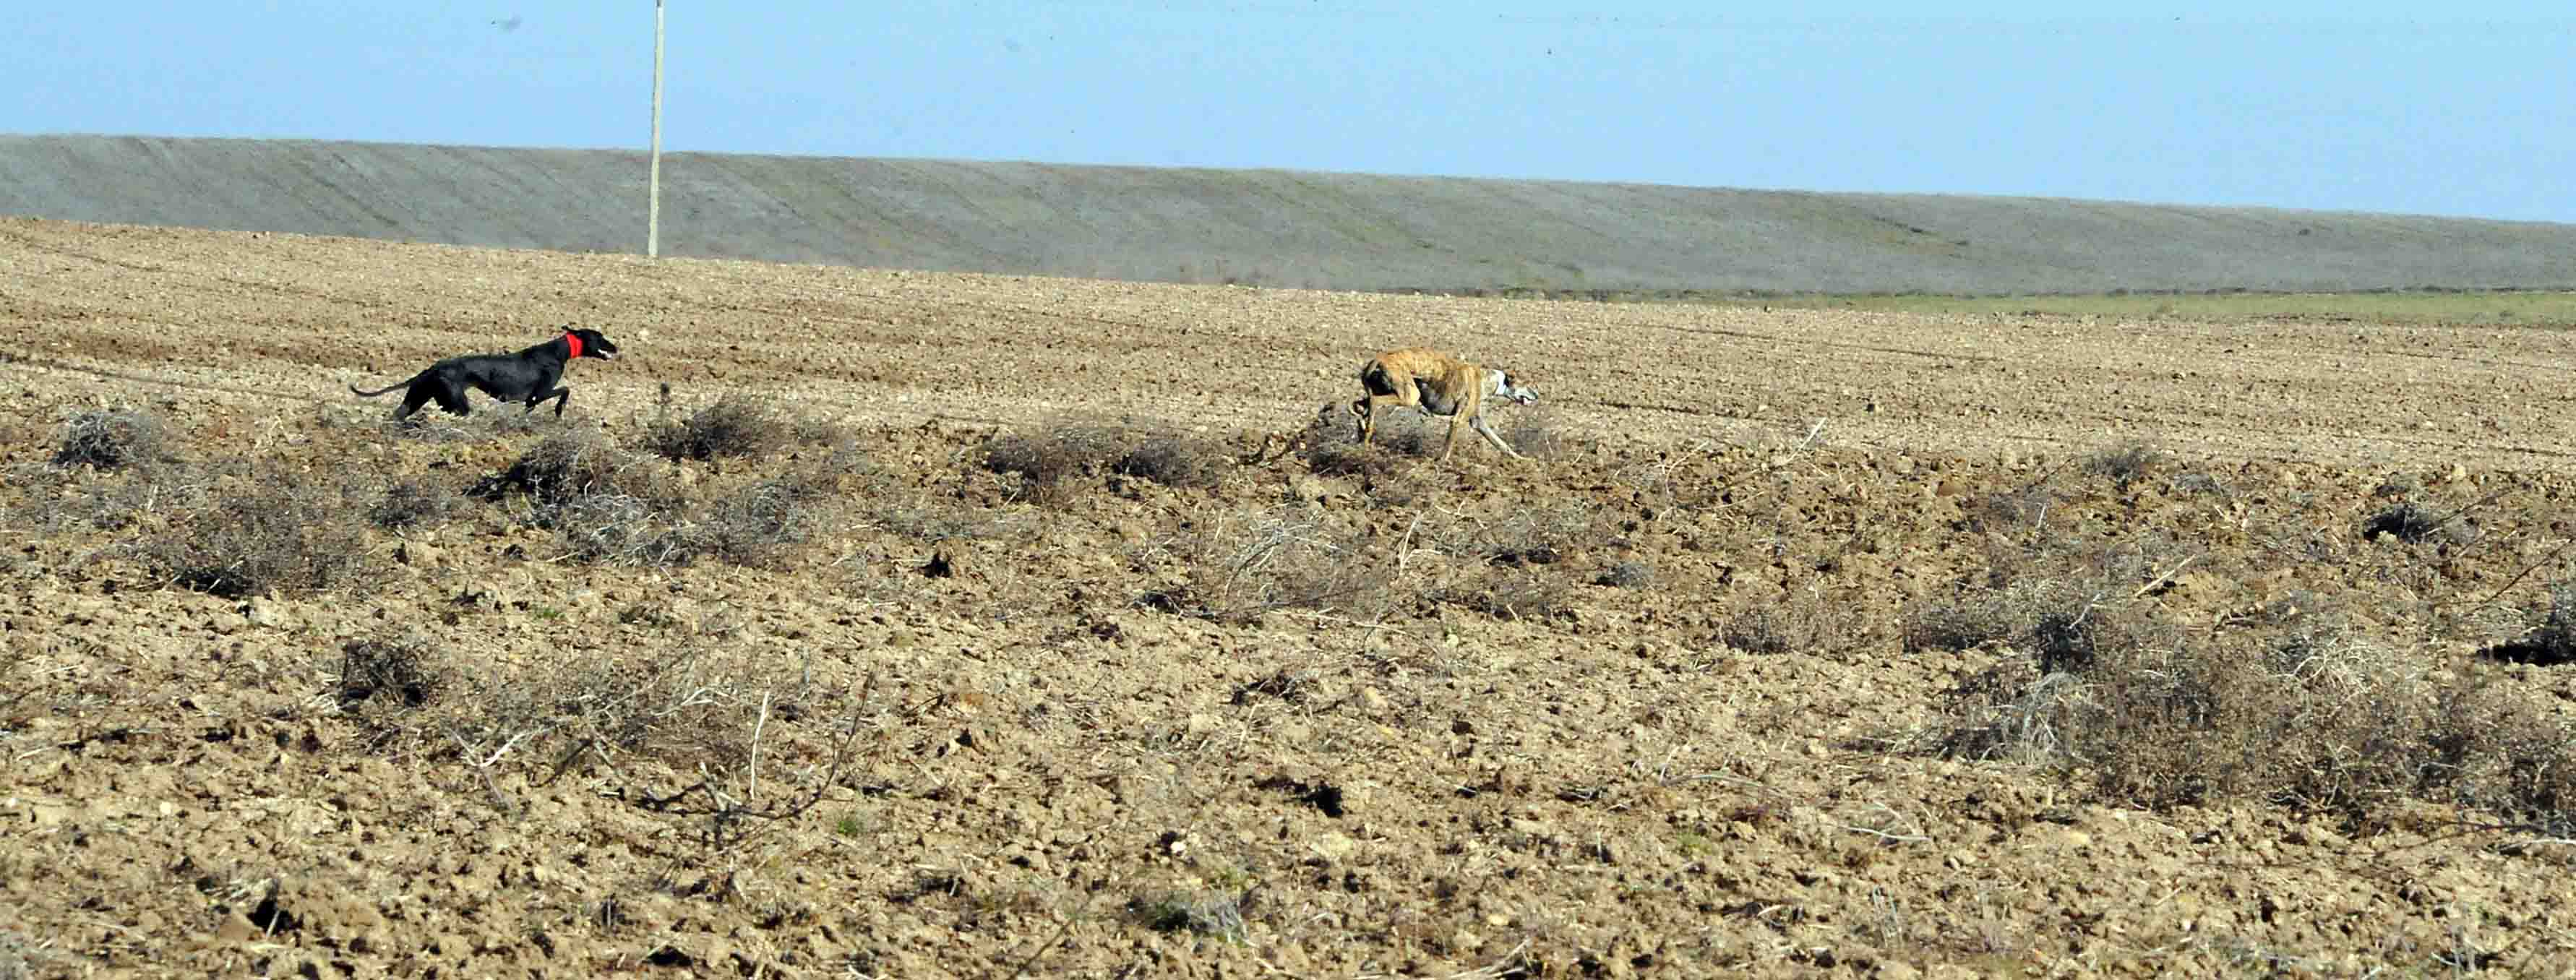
pixel 418 396
pixel 1369 407
pixel 452 400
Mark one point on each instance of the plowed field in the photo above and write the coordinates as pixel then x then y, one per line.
pixel 1687 694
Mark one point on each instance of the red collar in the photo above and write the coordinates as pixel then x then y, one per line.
pixel 574 341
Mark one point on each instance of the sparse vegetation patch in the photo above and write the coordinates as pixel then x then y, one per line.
pixel 737 426
pixel 273 529
pixel 112 439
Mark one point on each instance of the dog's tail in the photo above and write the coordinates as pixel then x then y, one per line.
pixel 354 389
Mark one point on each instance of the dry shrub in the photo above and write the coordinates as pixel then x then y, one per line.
pixel 2022 509
pixel 609 506
pixel 1050 462
pixel 1804 621
pixel 811 431
pixel 55 498
pixel 2285 707
pixel 679 708
pixel 675 730
pixel 930 517
pixel 572 464
pixel 2497 747
pixel 737 426
pixel 383 682
pixel 274 528
pixel 1630 574
pixel 404 673
pixel 619 529
pixel 1211 914
pixel 1518 564
pixel 1047 461
pixel 1174 459
pixel 2124 464
pixel 604 504
pixel 410 503
pixel 764 524
pixel 113 439
pixel 761 523
pixel 1519 536
pixel 2012 711
pixel 1330 443
pixel 2040 591
pixel 1961 622
pixel 1295 559
pixel 439 427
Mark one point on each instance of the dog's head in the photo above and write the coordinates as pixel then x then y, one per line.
pixel 1506 386
pixel 592 343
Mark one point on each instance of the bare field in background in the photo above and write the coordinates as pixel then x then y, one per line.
pixel 1269 228
pixel 2451 308
pixel 872 623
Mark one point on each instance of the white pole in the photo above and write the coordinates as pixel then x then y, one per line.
pixel 653 208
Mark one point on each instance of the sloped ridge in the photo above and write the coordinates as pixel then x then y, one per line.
pixel 1258 227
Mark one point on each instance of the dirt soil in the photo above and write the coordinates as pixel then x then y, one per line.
pixel 1643 706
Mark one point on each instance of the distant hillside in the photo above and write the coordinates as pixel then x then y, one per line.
pixel 1266 227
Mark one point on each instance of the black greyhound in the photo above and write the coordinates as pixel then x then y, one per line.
pixel 527 376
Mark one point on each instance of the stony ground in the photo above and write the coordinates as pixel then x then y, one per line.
pixel 1811 643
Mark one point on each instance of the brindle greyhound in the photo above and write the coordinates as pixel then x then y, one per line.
pixel 1438 384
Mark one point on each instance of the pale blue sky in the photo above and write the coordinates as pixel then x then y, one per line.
pixel 2365 106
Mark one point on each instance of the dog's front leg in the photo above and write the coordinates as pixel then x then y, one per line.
pixel 1491 436
pixel 559 396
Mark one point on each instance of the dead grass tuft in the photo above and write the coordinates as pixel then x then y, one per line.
pixel 113 439
pixel 765 523
pixel 1062 455
pixel 1047 462
pixel 1330 443
pixel 1217 916
pixel 411 502
pixel 1241 569
pixel 1959 623
pixel 2125 464
pixel 2021 509
pixel 2285 706
pixel 609 506
pixel 1802 622
pixel 272 529
pixel 1630 574
pixel 715 735
pixel 572 464
pixel 736 426
pixel 1174 459
pixel 405 673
